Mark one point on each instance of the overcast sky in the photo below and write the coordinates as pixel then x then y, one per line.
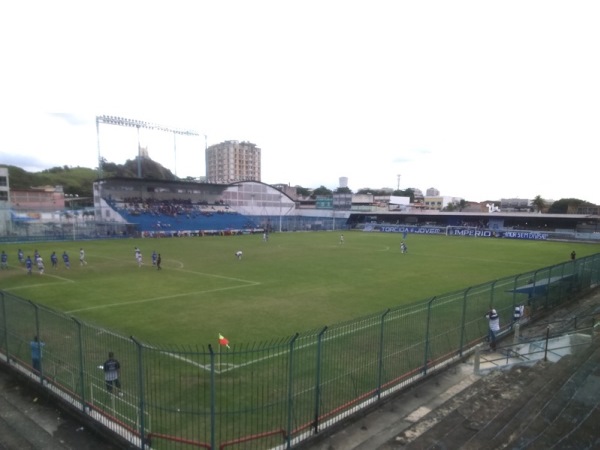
pixel 482 100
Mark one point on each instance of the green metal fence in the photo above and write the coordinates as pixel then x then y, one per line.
pixel 271 394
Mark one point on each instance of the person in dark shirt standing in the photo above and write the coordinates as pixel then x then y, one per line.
pixel 3 261
pixel 112 373
pixel 65 258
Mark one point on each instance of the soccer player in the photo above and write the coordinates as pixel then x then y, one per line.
pixel 82 261
pixel 4 260
pixel 238 254
pixel 40 265
pixel 138 256
pixel 154 257
pixel 21 257
pixel 65 258
pixel 54 260
pixel 28 265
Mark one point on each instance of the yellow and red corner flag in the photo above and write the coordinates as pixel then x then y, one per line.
pixel 223 341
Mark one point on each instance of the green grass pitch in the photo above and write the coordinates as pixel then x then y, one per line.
pixel 295 282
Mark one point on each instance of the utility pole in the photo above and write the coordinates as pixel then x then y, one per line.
pixel 398 181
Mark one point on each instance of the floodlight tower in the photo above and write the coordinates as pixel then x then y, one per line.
pixel 398 181
pixel 123 122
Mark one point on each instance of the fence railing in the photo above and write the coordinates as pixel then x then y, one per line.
pixel 558 339
pixel 271 394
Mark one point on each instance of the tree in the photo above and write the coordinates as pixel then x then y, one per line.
pixel 343 190
pixel 539 203
pixel 321 190
pixel 302 191
pixel 567 206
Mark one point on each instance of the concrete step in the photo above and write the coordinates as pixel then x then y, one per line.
pixel 19 431
pixel 536 419
pixel 578 397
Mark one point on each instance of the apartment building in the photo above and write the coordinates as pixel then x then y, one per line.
pixel 232 161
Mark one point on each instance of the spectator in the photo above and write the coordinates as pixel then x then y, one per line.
pixel 36 354
pixel 518 313
pixel 494 327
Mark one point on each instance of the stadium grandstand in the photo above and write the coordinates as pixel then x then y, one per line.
pixel 494 224
pixel 174 208
pixel 148 207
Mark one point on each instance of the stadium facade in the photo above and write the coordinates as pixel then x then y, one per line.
pixel 146 207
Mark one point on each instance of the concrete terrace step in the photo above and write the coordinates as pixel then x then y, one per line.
pixel 522 412
pixel 18 430
pixel 525 407
pixel 577 398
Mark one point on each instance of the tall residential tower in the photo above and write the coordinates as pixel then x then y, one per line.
pixel 232 161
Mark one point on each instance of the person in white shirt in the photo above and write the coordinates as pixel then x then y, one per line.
pixel 494 327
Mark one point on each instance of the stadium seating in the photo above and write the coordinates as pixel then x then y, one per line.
pixel 173 217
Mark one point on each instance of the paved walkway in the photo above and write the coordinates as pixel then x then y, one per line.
pixel 31 420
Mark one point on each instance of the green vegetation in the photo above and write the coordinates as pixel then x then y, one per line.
pixel 293 283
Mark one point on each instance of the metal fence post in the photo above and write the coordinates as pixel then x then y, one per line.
pixel 463 322
pixel 290 392
pixel 546 347
pixel 37 333
pixel 141 392
pixel 5 326
pixel 318 379
pixel 427 335
pixel 213 396
pixel 381 341
pixel 81 365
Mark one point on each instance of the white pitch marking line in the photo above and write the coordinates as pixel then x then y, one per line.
pixel 46 275
pixel 147 300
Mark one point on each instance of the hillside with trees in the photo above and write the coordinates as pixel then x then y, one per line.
pixel 78 181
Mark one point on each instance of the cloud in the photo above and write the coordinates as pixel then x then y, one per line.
pixel 71 119
pixel 25 162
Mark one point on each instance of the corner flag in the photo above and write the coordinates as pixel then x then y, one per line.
pixel 223 341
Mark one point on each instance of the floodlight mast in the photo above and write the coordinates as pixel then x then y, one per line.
pixel 123 122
